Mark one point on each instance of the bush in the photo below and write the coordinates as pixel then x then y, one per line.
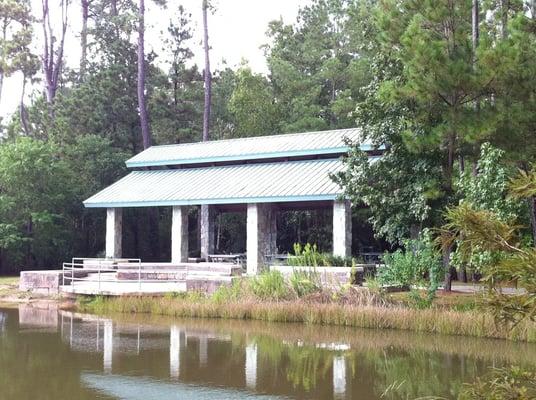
pixel 305 282
pixel 270 285
pixel 309 256
pixel 237 291
pixel 306 256
pixel 502 384
pixel 419 263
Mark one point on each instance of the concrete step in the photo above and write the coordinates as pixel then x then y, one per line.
pixel 215 269
pixel 163 275
pixel 152 266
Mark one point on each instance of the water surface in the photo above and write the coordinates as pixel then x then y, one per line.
pixel 50 354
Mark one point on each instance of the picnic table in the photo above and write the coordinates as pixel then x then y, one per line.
pixel 238 258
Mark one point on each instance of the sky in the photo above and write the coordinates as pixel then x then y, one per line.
pixel 236 31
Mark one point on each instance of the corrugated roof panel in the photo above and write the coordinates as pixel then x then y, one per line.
pixel 251 148
pixel 246 183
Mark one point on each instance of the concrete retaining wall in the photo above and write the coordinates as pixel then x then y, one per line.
pixel 43 282
pixel 329 276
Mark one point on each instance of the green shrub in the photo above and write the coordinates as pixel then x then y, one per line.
pixel 270 285
pixel 305 282
pixel 306 256
pixel 419 263
pixel 235 292
pixel 502 384
pixel 309 256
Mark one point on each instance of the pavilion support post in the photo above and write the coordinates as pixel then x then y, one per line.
pixel 342 228
pixel 179 234
pixel 261 235
pixel 207 214
pixel 114 227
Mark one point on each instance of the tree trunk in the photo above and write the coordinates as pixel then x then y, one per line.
pixel 4 36
pixel 1 83
pixel 53 58
pixel 532 210
pixel 448 272
pixel 83 39
pixel 208 77
pixel 475 27
pixel 447 187
pixel 142 104
pixel 23 113
pixel 505 5
pixel 29 234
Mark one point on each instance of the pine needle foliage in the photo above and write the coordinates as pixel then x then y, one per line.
pixel 481 230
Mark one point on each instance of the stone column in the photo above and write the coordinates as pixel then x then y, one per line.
pixel 339 377
pixel 108 345
pixel 174 351
pixel 179 234
pixel 251 366
pixel 114 227
pixel 261 235
pixel 207 214
pixel 342 228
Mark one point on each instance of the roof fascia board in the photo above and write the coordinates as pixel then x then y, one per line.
pixel 192 202
pixel 257 156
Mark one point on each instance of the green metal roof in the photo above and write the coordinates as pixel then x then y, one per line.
pixel 251 148
pixel 232 184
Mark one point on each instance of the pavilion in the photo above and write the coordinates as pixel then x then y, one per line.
pixel 260 175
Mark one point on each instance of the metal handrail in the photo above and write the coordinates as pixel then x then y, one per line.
pixel 104 265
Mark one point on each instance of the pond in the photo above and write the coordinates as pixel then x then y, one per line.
pixel 50 354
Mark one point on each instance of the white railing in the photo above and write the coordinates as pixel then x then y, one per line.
pixel 98 270
pixel 80 267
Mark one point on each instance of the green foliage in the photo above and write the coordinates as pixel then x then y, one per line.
pixel 487 190
pixel 419 264
pixel 252 105
pixel 502 384
pixel 305 282
pixel 309 256
pixel 238 290
pixel 270 285
pixel 480 230
pixel 319 64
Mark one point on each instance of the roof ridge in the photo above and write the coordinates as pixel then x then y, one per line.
pixel 252 138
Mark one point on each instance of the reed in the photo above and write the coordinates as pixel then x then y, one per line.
pixel 450 322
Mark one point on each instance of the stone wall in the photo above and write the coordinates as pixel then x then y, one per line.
pixel 44 282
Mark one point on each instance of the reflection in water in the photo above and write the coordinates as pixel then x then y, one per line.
pixel 121 387
pixel 71 355
pixel 3 317
pixel 251 366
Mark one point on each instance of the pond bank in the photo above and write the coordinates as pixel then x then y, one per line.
pixel 474 323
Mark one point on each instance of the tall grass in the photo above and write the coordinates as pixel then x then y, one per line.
pixel 471 323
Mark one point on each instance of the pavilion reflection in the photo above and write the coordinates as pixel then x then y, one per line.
pixel 194 354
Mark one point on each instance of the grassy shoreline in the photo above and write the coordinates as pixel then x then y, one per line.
pixel 472 323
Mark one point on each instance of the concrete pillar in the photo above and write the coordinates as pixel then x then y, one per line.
pixel 108 345
pixel 174 351
pixel 251 366
pixel 261 235
pixel 339 377
pixel 114 227
pixel 207 214
pixel 342 228
pixel 179 234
